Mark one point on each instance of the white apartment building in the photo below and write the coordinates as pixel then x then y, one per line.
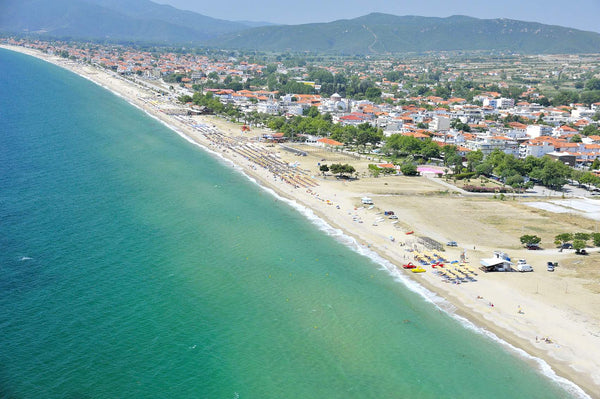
pixel 537 150
pixel 498 103
pixel 534 131
pixel 439 123
pixel 268 107
pixel 582 112
pixel 487 144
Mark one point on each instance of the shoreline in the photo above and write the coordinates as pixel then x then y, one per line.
pixel 504 326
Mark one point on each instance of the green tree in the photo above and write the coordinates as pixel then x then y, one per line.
pixel 596 238
pixel 458 125
pixel 409 169
pixel 530 239
pixel 311 112
pixel 590 130
pixel 485 169
pixel 553 174
pixel 590 97
pixel 515 180
pixel 174 78
pixel 578 245
pixel 373 94
pixel 563 238
pixel 348 169
pixel 374 169
pixel 452 158
pixel 185 99
pixel 565 97
pixel 336 168
pixel 474 159
pixel 270 69
pixel 324 169
pixel 320 76
pixel 341 170
pixel 581 236
pixel 393 76
pixel 443 91
pixel 430 149
pixel 397 144
pixel 593 84
pixel 367 134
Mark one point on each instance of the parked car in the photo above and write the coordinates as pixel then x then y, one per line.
pixel 533 247
pixel 581 252
pixel 567 245
pixel 393 217
pixel 550 266
pixel 452 244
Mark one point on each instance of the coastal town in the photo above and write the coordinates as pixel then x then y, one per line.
pixel 492 141
pixel 476 106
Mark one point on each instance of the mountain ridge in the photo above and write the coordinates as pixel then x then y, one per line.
pixel 385 33
pixel 375 33
pixel 133 20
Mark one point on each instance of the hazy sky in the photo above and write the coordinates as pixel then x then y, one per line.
pixel 580 14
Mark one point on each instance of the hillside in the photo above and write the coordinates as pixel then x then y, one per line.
pixel 383 33
pixel 145 21
pixel 135 20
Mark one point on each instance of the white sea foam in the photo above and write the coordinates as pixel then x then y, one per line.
pixel 544 367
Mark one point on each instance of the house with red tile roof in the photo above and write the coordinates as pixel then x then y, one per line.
pixel 353 119
pixel 328 143
pixel 457 100
pixel 417 135
pixel 563 130
pixel 571 147
pixel 581 123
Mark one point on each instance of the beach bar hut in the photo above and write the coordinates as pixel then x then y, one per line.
pixel 495 265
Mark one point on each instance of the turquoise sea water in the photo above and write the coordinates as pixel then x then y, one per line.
pixel 135 265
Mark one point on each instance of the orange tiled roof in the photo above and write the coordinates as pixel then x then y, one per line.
pixel 329 141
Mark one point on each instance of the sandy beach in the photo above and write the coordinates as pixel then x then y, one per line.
pixel 541 315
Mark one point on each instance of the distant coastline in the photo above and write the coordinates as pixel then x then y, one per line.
pixel 576 359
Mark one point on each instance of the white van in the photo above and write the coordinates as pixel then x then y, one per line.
pixel 523 266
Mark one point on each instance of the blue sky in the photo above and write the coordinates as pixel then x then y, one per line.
pixel 580 14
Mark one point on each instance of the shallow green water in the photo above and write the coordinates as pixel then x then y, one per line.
pixel 135 265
